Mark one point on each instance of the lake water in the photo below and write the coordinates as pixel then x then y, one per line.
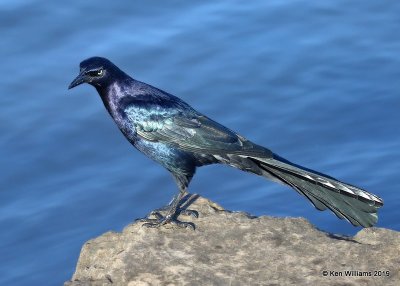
pixel 317 82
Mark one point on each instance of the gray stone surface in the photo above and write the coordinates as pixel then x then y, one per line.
pixel 233 248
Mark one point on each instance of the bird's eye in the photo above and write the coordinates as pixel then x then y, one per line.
pixel 95 73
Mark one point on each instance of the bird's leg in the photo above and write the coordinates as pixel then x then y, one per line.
pixel 172 212
pixel 179 210
pixel 164 208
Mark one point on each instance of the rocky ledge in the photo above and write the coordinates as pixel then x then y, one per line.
pixel 234 248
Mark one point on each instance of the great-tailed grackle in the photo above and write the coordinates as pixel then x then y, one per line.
pixel 172 133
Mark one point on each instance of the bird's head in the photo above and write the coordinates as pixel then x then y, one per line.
pixel 96 71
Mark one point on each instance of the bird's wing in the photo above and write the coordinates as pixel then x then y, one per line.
pixel 188 130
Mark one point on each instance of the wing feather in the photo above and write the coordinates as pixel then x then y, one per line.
pixel 188 130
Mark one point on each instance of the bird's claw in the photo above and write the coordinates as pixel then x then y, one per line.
pixel 191 213
pixel 186 212
pixel 160 219
pixel 163 220
pixel 159 210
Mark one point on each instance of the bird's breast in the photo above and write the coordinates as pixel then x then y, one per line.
pixel 168 156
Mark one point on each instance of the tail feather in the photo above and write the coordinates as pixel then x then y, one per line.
pixel 346 201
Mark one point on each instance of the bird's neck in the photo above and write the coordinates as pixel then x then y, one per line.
pixel 112 94
pixel 104 97
pixel 111 87
pixel 107 98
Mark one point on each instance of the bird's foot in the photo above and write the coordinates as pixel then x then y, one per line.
pixel 185 212
pixel 191 213
pixel 169 218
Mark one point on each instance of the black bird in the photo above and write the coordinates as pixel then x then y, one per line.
pixel 172 133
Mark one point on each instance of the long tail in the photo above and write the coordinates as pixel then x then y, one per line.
pixel 347 202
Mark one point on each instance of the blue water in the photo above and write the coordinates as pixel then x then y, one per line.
pixel 315 81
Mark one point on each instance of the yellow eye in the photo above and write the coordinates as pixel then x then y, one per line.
pixel 95 73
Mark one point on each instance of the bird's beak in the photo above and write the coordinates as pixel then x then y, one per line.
pixel 77 81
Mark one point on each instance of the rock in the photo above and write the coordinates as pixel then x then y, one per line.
pixel 234 248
